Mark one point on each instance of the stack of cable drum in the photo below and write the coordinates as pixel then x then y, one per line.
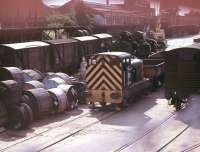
pixel 18 114
pixel 27 95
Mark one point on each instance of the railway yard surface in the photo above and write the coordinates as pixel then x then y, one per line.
pixel 148 124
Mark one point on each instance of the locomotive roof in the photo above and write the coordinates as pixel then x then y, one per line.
pixel 85 38
pixel 118 54
pixel 194 46
pixel 61 41
pixel 25 45
pixel 103 35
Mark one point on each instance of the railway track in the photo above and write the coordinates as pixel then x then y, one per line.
pixel 192 148
pixel 186 128
pixel 145 134
pixel 63 132
pixel 166 144
pixel 61 124
pixel 47 142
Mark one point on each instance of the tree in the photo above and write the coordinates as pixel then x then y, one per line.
pixel 83 16
pixel 58 20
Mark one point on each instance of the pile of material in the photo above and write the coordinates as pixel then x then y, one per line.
pixel 27 95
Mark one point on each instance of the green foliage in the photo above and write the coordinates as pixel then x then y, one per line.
pixel 79 14
pixel 57 20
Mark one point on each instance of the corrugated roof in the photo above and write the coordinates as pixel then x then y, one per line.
pixel 61 41
pixel 103 35
pixel 25 45
pixel 118 54
pixel 85 38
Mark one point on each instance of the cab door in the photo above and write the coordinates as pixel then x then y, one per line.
pixel 129 73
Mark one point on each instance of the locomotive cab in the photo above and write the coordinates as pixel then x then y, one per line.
pixel 114 77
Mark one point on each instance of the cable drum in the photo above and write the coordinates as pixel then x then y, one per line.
pixel 33 84
pixel 53 82
pixel 72 97
pixel 60 75
pixel 40 101
pixel 10 92
pixel 81 88
pixel 30 75
pixel 21 117
pixel 11 73
pixel 3 115
pixel 59 98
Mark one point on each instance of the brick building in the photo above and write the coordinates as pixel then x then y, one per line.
pixel 22 13
pixel 130 13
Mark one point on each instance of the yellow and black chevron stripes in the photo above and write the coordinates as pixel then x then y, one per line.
pixel 104 76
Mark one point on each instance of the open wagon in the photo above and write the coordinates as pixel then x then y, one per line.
pixel 154 70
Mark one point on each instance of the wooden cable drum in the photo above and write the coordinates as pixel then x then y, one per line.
pixel 33 84
pixel 59 98
pixel 21 117
pixel 72 97
pixel 3 115
pixel 30 75
pixel 60 75
pixel 10 92
pixel 53 82
pixel 40 101
pixel 11 73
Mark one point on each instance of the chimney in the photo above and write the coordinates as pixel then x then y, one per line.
pixel 107 2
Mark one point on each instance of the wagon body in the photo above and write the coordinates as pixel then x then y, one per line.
pixel 87 45
pixel 104 41
pixel 65 55
pixel 153 68
pixel 182 72
pixel 27 55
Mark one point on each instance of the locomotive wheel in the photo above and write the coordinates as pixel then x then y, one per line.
pixel 118 107
pixel 92 105
pixel 177 105
pixel 103 104
pixel 155 84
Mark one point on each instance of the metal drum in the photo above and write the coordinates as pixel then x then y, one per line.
pixel 10 92
pixel 53 82
pixel 30 75
pixel 11 73
pixel 59 98
pixel 33 84
pixel 40 102
pixel 3 115
pixel 72 97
